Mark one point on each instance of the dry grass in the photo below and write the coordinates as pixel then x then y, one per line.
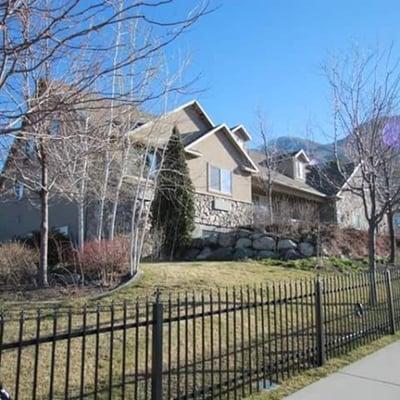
pixel 172 278
pixel 176 278
pixel 197 276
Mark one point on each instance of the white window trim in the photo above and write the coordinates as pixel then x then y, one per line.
pixel 300 170
pixel 212 190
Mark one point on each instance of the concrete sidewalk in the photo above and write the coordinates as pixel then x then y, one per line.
pixel 376 376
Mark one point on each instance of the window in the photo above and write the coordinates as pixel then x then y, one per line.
pixel 220 180
pixel 300 170
pixel 19 190
pixel 62 230
pixel 152 161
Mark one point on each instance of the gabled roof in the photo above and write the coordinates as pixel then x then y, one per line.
pixel 283 180
pixel 240 128
pixel 302 153
pixel 252 167
pixel 163 131
pixel 328 179
pixel 293 154
pixel 197 106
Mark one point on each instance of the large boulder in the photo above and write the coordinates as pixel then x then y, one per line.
pixel 242 253
pixel 221 254
pixel 291 254
pixel 243 243
pixel 257 235
pixel 307 249
pixel 191 254
pixel 197 243
pixel 244 233
pixel 286 244
pixel 204 254
pixel 212 240
pixel 226 239
pixel 264 243
pixel 265 254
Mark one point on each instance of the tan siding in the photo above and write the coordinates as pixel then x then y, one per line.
pixel 187 120
pixel 18 218
pixel 218 151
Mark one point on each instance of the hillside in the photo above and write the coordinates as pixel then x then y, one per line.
pixel 318 151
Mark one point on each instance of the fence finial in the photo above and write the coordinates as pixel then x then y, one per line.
pixel 158 295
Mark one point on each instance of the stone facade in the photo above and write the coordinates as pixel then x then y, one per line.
pixel 219 213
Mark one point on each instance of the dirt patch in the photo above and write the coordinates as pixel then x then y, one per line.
pixel 351 242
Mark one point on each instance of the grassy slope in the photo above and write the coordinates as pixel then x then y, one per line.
pixel 189 276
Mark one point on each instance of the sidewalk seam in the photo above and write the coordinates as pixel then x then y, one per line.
pixel 369 379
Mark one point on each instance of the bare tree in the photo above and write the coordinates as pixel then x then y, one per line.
pixel 269 165
pixel 365 90
pixel 55 62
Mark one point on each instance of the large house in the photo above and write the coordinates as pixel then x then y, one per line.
pixel 228 179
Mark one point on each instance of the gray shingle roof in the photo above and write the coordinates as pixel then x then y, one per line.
pixel 280 179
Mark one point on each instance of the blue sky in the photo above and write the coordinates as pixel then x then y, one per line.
pixel 264 54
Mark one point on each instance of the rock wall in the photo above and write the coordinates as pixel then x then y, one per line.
pixel 246 243
pixel 227 214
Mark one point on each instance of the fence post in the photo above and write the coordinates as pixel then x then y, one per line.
pixel 392 323
pixel 157 350
pixel 320 323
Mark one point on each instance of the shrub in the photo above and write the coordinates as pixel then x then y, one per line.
pixel 59 246
pixel 18 264
pixel 105 260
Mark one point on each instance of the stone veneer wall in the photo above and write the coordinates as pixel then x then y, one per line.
pixel 237 213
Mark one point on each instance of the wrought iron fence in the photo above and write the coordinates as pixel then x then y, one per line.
pixel 220 344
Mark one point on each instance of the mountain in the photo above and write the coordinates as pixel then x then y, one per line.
pixel 318 151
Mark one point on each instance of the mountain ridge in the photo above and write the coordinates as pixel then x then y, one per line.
pixel 315 150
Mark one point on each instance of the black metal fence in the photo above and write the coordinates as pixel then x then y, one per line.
pixel 219 344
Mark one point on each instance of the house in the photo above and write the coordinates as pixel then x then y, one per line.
pixel 293 199
pixel 229 181
pixel 219 165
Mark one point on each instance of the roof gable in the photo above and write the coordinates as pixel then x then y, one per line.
pixel 248 163
pixel 242 131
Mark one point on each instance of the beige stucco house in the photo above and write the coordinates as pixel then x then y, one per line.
pixel 228 179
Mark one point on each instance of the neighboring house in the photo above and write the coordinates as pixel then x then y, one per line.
pixel 342 207
pixel 229 181
pixel 293 198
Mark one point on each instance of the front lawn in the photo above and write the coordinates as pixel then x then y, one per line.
pixel 196 276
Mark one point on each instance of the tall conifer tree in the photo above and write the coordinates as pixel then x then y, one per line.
pixel 172 210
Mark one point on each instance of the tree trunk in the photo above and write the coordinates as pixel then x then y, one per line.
pixel 372 259
pixel 392 236
pixel 81 225
pixel 270 205
pixel 44 225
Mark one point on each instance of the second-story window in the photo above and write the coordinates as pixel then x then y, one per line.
pixel 300 169
pixel 220 180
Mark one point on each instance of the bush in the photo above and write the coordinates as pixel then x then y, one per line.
pixel 105 261
pixel 59 246
pixel 18 264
